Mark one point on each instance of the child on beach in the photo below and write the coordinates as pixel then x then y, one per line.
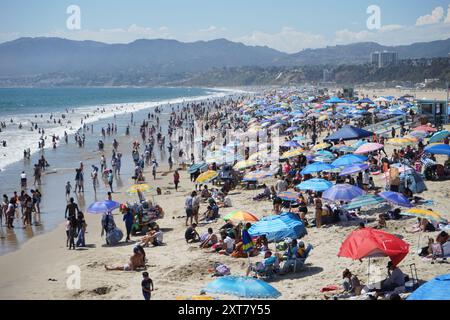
pixel 72 232
pixel 147 286
pixel 68 189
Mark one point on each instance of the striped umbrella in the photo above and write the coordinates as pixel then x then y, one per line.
pixel 402 141
pixel 422 213
pixel 241 215
pixel 364 201
pixel 343 192
pixel 257 175
pixel 439 136
pixel 288 196
pixel 207 176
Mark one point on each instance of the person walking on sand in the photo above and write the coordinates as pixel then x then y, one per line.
pixel 154 166
pixel 188 206
pixel 94 177
pixel 71 208
pixel 111 180
pixel 147 286
pixel 68 189
pixel 23 180
pixel 176 179
pixel 128 219
pixel 72 232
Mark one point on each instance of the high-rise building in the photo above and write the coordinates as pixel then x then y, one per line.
pixel 383 59
pixel 327 75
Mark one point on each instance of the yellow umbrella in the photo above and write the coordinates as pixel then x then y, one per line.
pixel 402 141
pixel 207 176
pixel 321 146
pixel 255 129
pixel 323 118
pixel 292 153
pixel 423 213
pixel 241 165
pixel 145 188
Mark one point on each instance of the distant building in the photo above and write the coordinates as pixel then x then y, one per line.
pixel 383 59
pixel 327 75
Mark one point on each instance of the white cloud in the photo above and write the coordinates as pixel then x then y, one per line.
pixel 436 16
pixel 447 18
pixel 287 40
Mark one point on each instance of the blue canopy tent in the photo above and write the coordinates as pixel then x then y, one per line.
pixel 277 228
pixel 349 133
pixel 435 289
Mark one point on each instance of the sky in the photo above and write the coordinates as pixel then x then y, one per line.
pixel 286 25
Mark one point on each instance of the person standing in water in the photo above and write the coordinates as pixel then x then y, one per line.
pixel 111 180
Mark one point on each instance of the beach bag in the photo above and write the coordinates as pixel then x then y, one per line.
pixel 222 270
pixel 114 236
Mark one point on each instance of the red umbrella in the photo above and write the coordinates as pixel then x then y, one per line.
pixel 425 128
pixel 370 243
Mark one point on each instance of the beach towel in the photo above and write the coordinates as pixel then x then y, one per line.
pixel 329 288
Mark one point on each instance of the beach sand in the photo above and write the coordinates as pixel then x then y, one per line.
pixel 38 270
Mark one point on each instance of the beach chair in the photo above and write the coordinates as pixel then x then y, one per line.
pixel 269 270
pixel 441 252
pixel 300 262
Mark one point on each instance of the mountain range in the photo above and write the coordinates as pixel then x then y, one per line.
pixel 27 58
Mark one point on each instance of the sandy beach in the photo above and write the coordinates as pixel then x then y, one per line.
pixel 39 269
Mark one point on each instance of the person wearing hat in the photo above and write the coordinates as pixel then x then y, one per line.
pixel 396 278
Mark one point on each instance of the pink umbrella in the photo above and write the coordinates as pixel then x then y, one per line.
pixel 368 147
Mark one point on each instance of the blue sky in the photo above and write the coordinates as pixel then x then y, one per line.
pixel 287 25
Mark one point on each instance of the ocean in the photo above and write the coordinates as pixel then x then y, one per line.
pixel 44 107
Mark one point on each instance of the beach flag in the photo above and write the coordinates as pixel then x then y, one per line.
pixel 247 241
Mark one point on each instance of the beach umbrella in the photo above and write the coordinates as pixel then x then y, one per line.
pixel 299 138
pixel 443 149
pixel 257 175
pixel 372 243
pixel 103 207
pixel 334 100
pixel 315 185
pixel 292 153
pixel 365 100
pixel 241 215
pixel 439 136
pixel 364 201
pixel 325 153
pixel 143 187
pixel 241 165
pixel 396 198
pixel 425 128
pixel 349 133
pixel 348 160
pixel 436 289
pixel 261 155
pixel 358 144
pixel 419 134
pixel 197 166
pixel 244 287
pixel 343 192
pixel 291 129
pixel 423 213
pixel 316 167
pixel 288 196
pixel 321 146
pixel 368 147
pixel 346 149
pixel 207 176
pixel 279 227
pixel 354 168
pixel 402 141
pixel 290 144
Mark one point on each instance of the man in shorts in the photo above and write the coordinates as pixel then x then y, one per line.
pixel 147 286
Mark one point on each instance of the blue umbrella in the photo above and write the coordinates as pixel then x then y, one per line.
pixel 290 144
pixel 439 136
pixel 343 192
pixel 277 228
pixel 435 289
pixel 103 206
pixel 365 100
pixel 335 100
pixel 197 166
pixel 299 138
pixel 443 149
pixel 348 160
pixel 354 168
pixel 325 153
pixel 291 129
pixel 396 198
pixel 315 185
pixel 358 144
pixel 316 167
pixel 244 287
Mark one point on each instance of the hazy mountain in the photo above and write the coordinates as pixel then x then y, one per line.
pixel 55 61
pixel 31 56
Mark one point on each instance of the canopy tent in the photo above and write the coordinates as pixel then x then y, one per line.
pixel 349 133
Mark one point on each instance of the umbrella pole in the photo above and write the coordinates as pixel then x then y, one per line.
pixel 368 274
